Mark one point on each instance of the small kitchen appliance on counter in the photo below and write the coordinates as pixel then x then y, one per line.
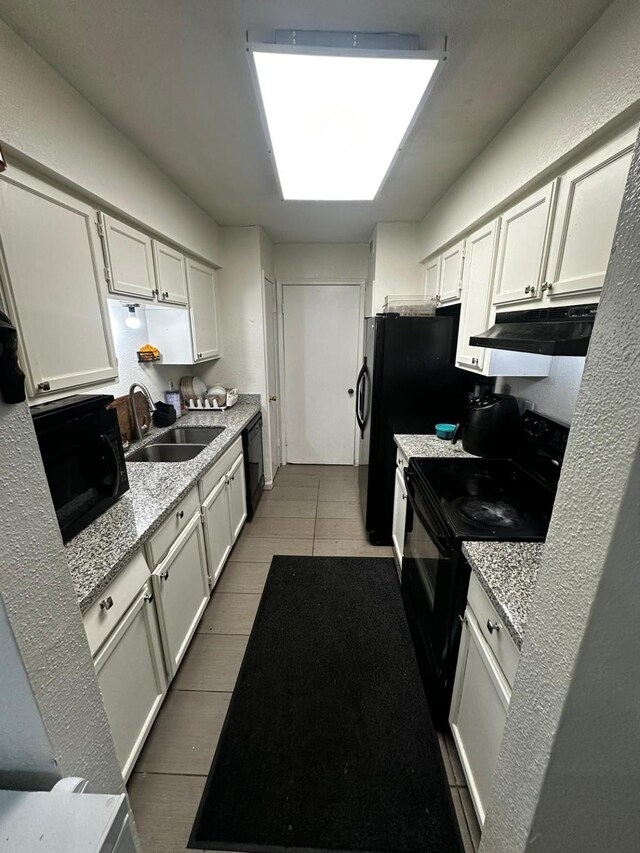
pixel 491 426
pixel 451 500
pixel 83 459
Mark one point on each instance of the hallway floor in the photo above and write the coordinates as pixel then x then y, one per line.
pixel 313 510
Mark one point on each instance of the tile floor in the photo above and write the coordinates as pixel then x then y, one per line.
pixel 312 509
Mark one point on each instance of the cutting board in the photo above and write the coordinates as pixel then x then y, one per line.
pixel 121 405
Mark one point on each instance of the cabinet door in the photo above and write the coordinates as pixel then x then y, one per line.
pixel 217 526
pixel 478 712
pixel 52 268
pixel 181 586
pixel 171 274
pixel 476 293
pixel 237 496
pixel 523 248
pixel 399 516
pixel 432 277
pixel 450 284
pixel 589 202
pixel 132 680
pixel 129 259
pixel 202 307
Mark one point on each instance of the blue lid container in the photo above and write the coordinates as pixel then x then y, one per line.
pixel 445 430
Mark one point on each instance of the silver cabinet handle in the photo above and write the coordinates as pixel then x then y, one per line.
pixel 404 497
pixel 44 386
pixel 164 576
pixel 273 398
pixel 180 513
pixel 148 597
pixel 106 603
pixel 492 626
pixel 463 619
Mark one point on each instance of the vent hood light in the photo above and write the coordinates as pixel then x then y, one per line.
pixel 335 118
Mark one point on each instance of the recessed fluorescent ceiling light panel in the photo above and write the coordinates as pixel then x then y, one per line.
pixel 336 118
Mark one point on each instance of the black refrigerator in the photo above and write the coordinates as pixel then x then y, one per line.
pixel 407 384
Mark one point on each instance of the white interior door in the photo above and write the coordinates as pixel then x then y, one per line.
pixel 321 331
pixel 273 406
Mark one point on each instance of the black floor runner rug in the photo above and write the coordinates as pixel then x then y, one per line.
pixel 327 743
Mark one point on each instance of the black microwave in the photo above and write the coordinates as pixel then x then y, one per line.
pixel 83 459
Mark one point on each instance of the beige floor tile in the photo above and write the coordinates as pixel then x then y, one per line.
pixel 212 662
pixel 282 528
pixel 340 528
pixel 270 507
pixel 348 548
pixel 318 470
pixel 294 493
pixel 164 808
pixel 348 473
pixel 229 613
pixel 243 577
pixel 472 818
pixel 253 549
pixel 337 490
pixel 287 477
pixel 339 509
pixel 462 823
pixel 185 733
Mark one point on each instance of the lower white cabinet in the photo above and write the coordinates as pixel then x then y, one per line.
pixel 131 675
pixel 181 588
pixel 237 496
pixel 224 513
pixel 399 515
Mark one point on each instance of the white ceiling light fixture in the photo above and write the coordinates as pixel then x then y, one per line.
pixel 336 117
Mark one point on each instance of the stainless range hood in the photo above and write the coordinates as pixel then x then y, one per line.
pixel 546 331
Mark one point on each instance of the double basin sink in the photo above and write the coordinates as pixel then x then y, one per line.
pixel 177 445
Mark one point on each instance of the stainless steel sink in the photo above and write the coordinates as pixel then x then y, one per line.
pixel 188 435
pixel 166 453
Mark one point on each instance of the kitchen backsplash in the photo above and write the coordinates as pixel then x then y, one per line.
pixel 554 395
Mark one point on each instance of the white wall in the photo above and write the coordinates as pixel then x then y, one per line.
pixel 396 271
pixel 596 83
pixel 554 395
pixel 566 779
pixel 48 122
pixel 321 261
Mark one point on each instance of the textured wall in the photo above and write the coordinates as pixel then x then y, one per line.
pixel 554 395
pixel 321 261
pixel 396 270
pixel 567 774
pixel 48 122
pixel 594 84
pixel 43 612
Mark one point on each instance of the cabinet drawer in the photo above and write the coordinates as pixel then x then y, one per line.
pixel 100 619
pixel 401 460
pixel 212 477
pixel 498 641
pixel 172 527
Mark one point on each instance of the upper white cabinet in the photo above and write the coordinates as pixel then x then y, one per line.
pixel 523 248
pixel 128 259
pixel 450 282
pixel 51 268
pixel 476 294
pixel 588 205
pixel 171 274
pixel 432 277
pixel 202 306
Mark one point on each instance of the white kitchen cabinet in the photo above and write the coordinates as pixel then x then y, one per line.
pixel 237 497
pixel 181 588
pixel 523 247
pixel 589 201
pixel 217 527
pixel 202 308
pixel 477 314
pixel 51 268
pixel 450 281
pixel 128 259
pixel 171 274
pixel 399 516
pixel 432 277
pixel 132 680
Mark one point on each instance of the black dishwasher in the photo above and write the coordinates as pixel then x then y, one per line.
pixel 253 464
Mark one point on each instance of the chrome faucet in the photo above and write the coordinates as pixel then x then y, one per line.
pixel 137 429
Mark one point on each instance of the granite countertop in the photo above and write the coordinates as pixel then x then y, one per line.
pixel 508 572
pixel 430 445
pixel 98 553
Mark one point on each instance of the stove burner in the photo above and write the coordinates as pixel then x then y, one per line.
pixel 489 513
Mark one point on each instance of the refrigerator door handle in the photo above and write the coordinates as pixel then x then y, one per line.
pixel 359 397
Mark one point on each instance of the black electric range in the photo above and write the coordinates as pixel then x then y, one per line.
pixel 451 500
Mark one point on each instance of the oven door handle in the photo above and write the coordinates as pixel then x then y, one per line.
pixel 115 465
pixel 431 523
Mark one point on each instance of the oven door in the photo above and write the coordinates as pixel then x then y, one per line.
pixel 434 582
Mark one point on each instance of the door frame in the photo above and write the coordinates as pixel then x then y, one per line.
pixel 267 408
pixel 281 283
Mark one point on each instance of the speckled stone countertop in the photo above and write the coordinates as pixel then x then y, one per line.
pixel 508 572
pixel 97 554
pixel 429 445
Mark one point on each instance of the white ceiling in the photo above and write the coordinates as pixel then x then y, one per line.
pixel 173 77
